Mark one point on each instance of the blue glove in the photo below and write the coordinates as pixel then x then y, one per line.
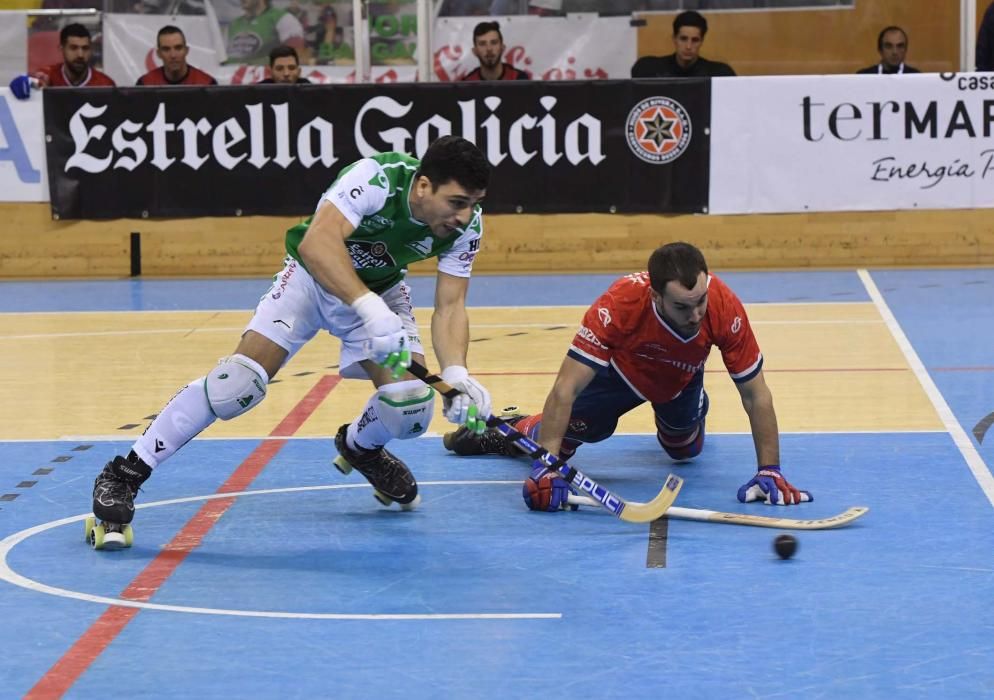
pixel 21 87
pixel 545 489
pixel 772 488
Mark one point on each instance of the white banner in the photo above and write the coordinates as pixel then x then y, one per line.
pixel 576 47
pixel 13 43
pixel 23 176
pixel 860 142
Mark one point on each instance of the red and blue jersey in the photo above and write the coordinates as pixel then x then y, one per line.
pixel 623 329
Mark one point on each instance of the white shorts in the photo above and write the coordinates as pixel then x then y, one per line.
pixel 296 307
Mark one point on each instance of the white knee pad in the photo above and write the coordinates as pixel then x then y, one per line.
pixel 237 384
pixel 405 409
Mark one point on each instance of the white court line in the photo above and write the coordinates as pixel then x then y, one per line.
pixel 416 308
pixel 962 441
pixel 11 576
pixel 234 329
pixel 125 437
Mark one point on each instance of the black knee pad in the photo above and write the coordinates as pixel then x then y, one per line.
pixel 682 446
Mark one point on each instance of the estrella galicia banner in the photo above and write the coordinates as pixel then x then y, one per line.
pixel 597 146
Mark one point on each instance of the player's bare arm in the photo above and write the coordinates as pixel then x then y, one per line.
pixel 325 256
pixel 573 378
pixel 449 320
pixel 757 400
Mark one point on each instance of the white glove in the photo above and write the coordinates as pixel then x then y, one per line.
pixel 384 328
pixel 472 393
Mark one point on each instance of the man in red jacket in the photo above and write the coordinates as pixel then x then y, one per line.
pixel 74 71
pixel 488 47
pixel 171 48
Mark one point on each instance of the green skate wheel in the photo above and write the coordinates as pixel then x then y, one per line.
pixel 382 498
pixel 129 536
pixel 97 536
pixel 88 526
pixel 341 465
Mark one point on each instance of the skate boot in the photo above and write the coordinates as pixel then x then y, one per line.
pixel 466 443
pixel 114 493
pixel 389 476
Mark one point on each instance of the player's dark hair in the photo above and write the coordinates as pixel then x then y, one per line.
pixel 169 29
pixel 892 28
pixel 690 19
pixel 484 27
pixel 282 52
pixel 75 29
pixel 454 158
pixel 680 262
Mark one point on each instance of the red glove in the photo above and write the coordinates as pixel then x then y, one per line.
pixel 545 489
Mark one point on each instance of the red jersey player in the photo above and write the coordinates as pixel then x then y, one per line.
pixel 172 49
pixel 74 71
pixel 647 339
pixel 488 47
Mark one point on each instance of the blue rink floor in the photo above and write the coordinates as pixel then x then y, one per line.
pixel 306 588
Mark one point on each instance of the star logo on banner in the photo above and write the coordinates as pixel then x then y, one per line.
pixel 658 129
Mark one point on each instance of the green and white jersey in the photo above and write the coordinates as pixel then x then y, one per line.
pixel 250 39
pixel 373 194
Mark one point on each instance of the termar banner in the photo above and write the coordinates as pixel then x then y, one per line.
pixel 861 142
pixel 602 146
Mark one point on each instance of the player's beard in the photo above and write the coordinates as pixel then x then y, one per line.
pixel 77 68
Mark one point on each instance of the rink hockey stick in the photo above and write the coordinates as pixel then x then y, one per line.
pixel 714 516
pixel 629 511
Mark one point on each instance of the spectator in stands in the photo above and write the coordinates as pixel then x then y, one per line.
pixel 327 39
pixel 284 65
pixel 892 43
pixel 985 41
pixel 74 71
pixel 171 49
pixel 261 29
pixel 689 30
pixel 488 47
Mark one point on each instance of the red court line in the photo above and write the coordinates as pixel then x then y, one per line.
pixel 67 670
pixel 799 370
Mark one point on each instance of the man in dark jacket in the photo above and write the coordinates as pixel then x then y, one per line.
pixel 689 29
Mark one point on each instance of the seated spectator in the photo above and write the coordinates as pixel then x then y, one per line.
pixel 171 49
pixel 284 66
pixel 689 30
pixel 261 29
pixel 892 43
pixel 985 41
pixel 74 71
pixel 488 47
pixel 327 40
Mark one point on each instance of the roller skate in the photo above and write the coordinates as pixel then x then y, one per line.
pixel 114 493
pixel 390 478
pixel 466 443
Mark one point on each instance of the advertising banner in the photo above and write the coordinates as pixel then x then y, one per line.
pixel 22 149
pixel 603 146
pixel 13 43
pixel 861 142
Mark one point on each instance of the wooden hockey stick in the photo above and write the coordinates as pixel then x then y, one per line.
pixel 629 511
pixel 714 516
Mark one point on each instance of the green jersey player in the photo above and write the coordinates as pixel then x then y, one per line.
pixel 344 273
pixel 260 30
